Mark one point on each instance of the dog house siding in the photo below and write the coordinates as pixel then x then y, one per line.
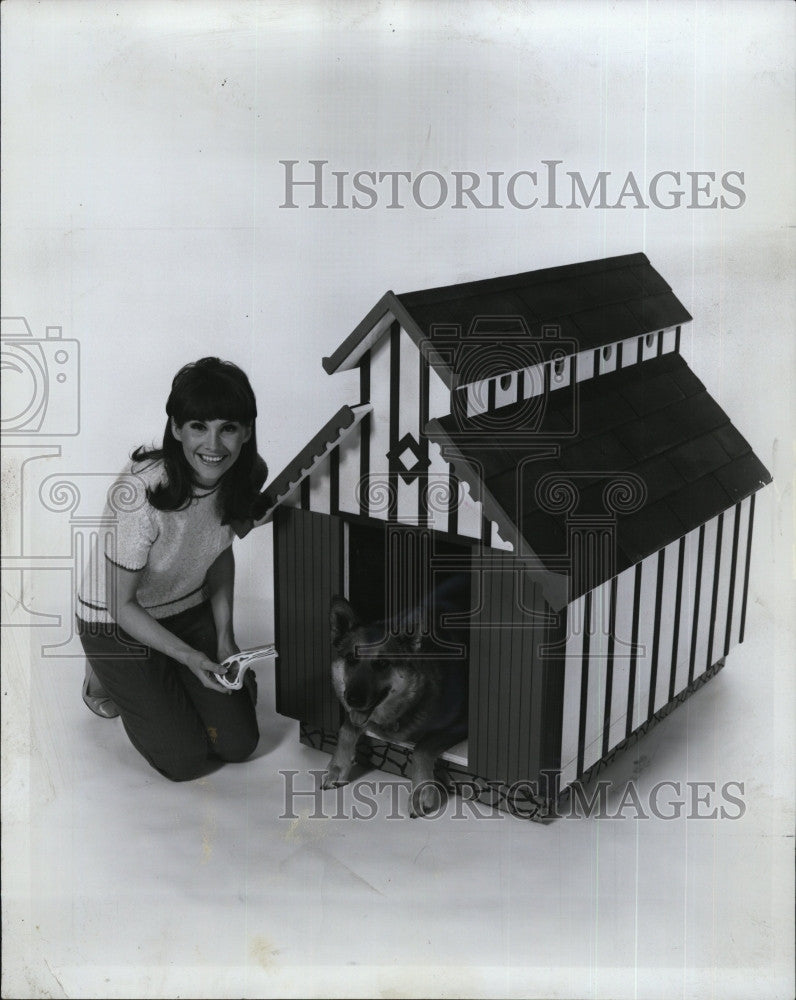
pixel 681 609
pixel 508 673
pixel 308 563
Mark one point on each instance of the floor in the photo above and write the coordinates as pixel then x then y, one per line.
pixel 125 885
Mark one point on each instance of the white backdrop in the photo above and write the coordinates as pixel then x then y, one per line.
pixel 141 213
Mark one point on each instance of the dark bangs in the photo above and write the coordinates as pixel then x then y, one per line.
pixel 211 389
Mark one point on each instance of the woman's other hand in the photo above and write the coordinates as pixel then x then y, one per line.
pixel 203 668
pixel 227 648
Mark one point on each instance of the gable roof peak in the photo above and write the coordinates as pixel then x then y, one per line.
pixel 593 303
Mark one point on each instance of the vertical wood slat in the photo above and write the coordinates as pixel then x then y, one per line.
pixel 278 543
pixel 732 575
pixel 291 635
pixel 636 652
pixel 365 433
pixel 598 674
pixel 335 577
pixel 691 565
pixel 667 642
pixel 408 419
pixel 585 678
pixel 542 711
pixel 715 590
pixel 336 582
pixel 548 688
pixel 320 565
pixel 696 603
pixel 375 464
pixel 506 724
pixel 499 706
pixel 656 633
pixel 284 630
pixel 303 547
pixel 296 553
pixel 609 666
pixel 747 564
pixel 513 645
pixel 573 670
pixel 645 638
pixel 424 515
pixel 734 631
pixel 492 602
pixel 477 737
pixel 394 412
pixel 703 622
pixel 725 565
pixel 522 665
pixel 533 720
pixel 677 617
pixel 516 709
pixel 620 669
pixel 525 688
pixel 309 570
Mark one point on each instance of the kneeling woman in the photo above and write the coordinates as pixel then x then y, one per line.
pixel 155 609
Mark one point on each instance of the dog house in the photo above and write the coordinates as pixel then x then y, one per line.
pixel 542 434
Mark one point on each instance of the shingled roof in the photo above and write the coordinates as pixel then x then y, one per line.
pixel 655 420
pixel 593 303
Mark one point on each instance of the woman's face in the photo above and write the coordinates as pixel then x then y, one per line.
pixel 211 447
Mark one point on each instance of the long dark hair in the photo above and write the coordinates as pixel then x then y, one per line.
pixel 208 389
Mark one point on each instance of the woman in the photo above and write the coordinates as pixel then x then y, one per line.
pixel 155 613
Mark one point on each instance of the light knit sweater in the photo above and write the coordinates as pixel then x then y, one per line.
pixel 173 549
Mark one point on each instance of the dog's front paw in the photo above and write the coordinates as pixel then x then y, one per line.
pixel 334 777
pixel 427 797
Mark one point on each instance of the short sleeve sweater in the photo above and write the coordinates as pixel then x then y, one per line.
pixel 173 548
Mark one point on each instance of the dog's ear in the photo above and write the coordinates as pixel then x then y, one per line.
pixel 341 618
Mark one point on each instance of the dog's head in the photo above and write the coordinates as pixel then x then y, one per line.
pixel 365 661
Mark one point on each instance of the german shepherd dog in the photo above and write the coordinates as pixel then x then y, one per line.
pixel 399 684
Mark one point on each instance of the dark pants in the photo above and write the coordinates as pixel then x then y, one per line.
pixel 174 722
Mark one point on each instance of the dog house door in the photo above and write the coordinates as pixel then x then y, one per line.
pixel 308 562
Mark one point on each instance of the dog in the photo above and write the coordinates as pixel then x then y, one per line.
pixel 399 684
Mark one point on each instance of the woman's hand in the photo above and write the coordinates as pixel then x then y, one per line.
pixel 203 668
pixel 121 588
pixel 226 648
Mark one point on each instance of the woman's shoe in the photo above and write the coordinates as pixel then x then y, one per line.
pixel 100 704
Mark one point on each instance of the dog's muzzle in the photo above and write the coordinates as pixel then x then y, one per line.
pixel 360 703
